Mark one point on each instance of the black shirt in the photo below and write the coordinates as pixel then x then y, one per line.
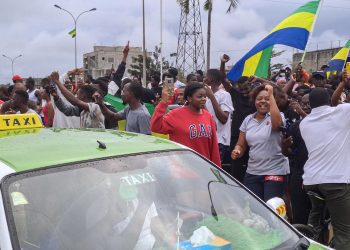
pixel 148 96
pixel 290 116
pixel 242 108
pixel 299 151
pixel 157 91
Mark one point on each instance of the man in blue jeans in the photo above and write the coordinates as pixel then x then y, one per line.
pixel 326 132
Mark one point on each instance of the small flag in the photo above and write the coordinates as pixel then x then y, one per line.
pixel 337 63
pixel 73 33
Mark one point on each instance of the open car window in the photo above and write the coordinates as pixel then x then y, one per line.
pixel 148 201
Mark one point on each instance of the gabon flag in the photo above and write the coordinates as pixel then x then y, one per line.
pixel 293 31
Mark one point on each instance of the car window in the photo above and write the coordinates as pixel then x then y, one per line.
pixel 149 201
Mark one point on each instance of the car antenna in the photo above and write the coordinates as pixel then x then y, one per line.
pixel 213 211
pixel 101 145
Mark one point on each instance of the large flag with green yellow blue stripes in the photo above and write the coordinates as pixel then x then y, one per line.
pixel 293 31
pixel 337 63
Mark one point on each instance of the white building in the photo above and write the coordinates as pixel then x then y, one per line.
pixel 100 62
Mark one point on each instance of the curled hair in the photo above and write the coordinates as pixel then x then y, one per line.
pixel 191 88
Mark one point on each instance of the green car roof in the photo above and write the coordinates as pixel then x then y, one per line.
pixel 28 149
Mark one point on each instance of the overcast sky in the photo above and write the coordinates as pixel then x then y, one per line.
pixel 39 31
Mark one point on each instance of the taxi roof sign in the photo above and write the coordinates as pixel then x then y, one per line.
pixel 19 121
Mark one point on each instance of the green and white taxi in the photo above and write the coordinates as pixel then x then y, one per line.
pixel 103 189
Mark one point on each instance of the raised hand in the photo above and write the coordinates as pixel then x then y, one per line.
pixel 269 89
pixel 345 77
pixel 98 99
pixel 225 58
pixel 209 91
pixel 126 49
pixel 55 76
pixel 296 107
pixel 165 94
pixel 53 90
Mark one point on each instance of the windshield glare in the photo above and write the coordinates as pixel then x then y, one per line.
pixel 150 201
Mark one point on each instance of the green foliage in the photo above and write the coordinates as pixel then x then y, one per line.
pixel 152 65
pixel 185 4
pixel 276 66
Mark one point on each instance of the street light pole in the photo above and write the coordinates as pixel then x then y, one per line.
pixel 12 61
pixel 144 78
pixel 75 28
pixel 161 40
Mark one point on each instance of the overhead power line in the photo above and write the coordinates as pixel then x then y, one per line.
pixel 324 6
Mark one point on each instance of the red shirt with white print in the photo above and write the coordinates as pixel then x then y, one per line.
pixel 196 131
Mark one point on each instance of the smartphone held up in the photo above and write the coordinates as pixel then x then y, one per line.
pixel 169 83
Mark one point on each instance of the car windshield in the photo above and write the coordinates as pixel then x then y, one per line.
pixel 149 201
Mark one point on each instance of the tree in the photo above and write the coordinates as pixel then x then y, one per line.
pixel 208 6
pixel 276 66
pixel 152 65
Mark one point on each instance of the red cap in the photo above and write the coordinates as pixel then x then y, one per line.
pixel 17 78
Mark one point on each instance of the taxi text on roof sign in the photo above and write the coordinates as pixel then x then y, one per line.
pixel 19 121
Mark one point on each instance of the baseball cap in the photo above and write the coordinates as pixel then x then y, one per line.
pixel 17 78
pixel 324 66
pixel 319 74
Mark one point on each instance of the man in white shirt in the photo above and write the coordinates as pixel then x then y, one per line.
pixel 83 105
pixel 60 120
pixel 326 132
pixel 219 105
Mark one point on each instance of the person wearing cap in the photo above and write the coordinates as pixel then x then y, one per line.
pixel 318 79
pixel 324 68
pixel 17 79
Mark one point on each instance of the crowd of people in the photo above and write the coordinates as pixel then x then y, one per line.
pixel 279 136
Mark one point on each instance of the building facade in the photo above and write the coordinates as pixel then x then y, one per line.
pixel 315 59
pixel 100 62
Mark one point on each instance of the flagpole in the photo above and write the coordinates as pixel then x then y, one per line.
pixel 312 30
pixel 75 29
pixel 346 59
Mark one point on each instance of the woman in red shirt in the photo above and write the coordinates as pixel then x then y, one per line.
pixel 190 125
